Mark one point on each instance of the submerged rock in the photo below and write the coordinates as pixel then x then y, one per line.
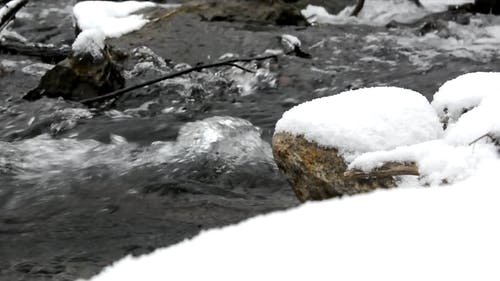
pixel 316 172
pixel 80 76
pixel 487 6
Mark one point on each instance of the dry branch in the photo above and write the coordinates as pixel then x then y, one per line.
pixel 387 170
pixel 231 62
pixel 47 53
pixel 9 11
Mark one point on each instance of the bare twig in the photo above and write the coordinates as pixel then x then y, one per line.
pixel 480 138
pixel 9 11
pixel 241 67
pixel 387 170
pixel 176 74
pixel 47 53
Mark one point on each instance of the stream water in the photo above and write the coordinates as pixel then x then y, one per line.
pixel 81 187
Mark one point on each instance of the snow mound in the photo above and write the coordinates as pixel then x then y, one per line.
pixel 364 120
pixel 443 233
pixel 99 20
pixel 464 93
pixel 469 104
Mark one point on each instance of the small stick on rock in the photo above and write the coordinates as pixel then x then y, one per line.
pixel 387 170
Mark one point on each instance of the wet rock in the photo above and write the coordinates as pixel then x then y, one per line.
pixel 275 12
pixel 316 172
pixel 80 77
pixel 487 6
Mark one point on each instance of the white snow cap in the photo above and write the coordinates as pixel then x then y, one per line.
pixel 289 42
pixel 452 158
pixel 99 20
pixel 465 92
pixel 89 42
pixel 364 120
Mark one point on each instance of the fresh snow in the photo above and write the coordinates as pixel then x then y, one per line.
pixel 364 120
pixel 465 92
pixel 438 233
pixel 469 104
pixel 99 20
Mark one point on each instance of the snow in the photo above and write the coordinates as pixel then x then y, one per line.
pixel 89 42
pixel 464 93
pixel 452 158
pixel 290 42
pixel 99 20
pixel 379 12
pixel 439 233
pixel 364 120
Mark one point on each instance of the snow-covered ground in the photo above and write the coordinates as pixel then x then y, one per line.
pixel 445 232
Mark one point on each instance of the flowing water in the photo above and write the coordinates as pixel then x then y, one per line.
pixel 82 187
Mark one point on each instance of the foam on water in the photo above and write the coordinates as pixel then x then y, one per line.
pixel 233 141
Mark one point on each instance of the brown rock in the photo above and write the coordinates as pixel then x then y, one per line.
pixel 316 172
pixel 79 77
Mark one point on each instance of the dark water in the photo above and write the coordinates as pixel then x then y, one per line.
pixel 80 187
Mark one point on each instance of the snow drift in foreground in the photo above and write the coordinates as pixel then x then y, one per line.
pixel 440 233
pixel 380 12
pixel 446 232
pixel 99 20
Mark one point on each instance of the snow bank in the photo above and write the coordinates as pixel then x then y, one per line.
pixel 364 120
pixel 99 20
pixel 464 93
pixel 442 233
pixel 469 103
pixel 380 12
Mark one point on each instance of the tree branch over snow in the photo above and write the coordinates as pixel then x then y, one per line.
pixel 231 62
pixel 9 11
pixel 387 170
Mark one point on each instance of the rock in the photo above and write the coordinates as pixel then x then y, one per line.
pixel 487 6
pixel 80 77
pixel 317 173
pixel 257 11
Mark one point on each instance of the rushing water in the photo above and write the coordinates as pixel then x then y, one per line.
pixel 81 187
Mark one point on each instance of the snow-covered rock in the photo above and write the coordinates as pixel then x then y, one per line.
pixel 315 141
pixel 99 20
pixel 364 120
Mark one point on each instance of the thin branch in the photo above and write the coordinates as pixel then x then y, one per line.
pixel 173 75
pixel 357 9
pixel 241 67
pixel 9 11
pixel 480 138
pixel 47 53
pixel 387 170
